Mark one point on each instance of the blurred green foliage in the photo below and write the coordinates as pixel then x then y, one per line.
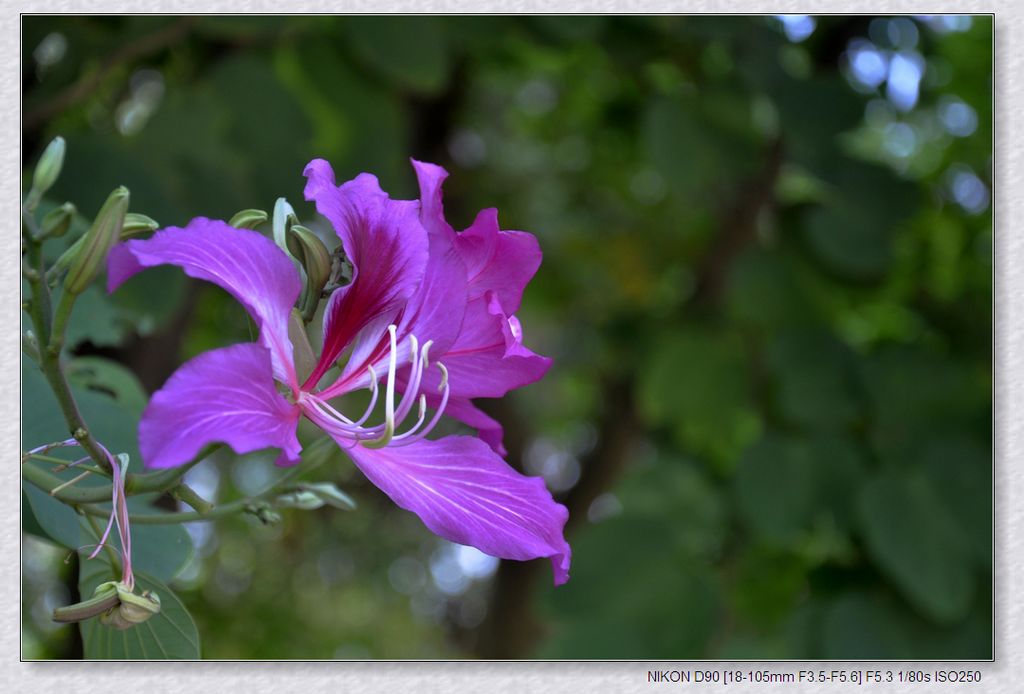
pixel 766 286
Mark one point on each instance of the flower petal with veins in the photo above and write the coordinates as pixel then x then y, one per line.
pixel 465 493
pixel 245 263
pixel 225 395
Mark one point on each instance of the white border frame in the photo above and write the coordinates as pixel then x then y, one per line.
pixel 1005 674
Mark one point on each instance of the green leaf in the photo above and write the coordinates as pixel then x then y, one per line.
pixel 633 595
pixel 96 320
pixel 58 522
pixel 798 493
pixel 961 470
pixel 99 374
pixel 159 549
pixel 169 635
pixel 864 626
pixel 852 233
pixel 814 378
pixel 111 423
pixel 766 291
pixel 358 122
pixel 29 523
pixel 410 51
pixel 775 489
pixel 239 79
pixel 162 550
pixel 916 541
pixel 696 382
pixel 915 393
pixel 812 113
pixel 767 586
pixel 681 496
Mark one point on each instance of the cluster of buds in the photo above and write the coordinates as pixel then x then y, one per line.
pixel 115 604
pixel 87 257
pixel 311 257
pixel 309 253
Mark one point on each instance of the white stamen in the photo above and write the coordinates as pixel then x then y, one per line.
pixel 389 401
pixel 342 428
pixel 411 436
pixel 444 377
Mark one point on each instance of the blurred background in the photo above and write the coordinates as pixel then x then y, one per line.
pixel 766 287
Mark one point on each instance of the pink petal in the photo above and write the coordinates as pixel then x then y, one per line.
pixel 488 359
pixel 431 177
pixel 503 262
pixel 384 241
pixel 225 395
pixel 434 312
pixel 498 261
pixel 249 266
pixel 489 430
pixel 465 493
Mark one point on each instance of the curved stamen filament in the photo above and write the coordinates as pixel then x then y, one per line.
pixel 413 387
pixel 408 437
pixel 389 398
pixel 321 413
pixel 119 506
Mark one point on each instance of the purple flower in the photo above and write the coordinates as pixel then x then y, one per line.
pixel 428 310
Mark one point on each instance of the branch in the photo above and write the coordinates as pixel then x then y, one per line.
pixel 738 228
pixel 211 512
pixel 134 484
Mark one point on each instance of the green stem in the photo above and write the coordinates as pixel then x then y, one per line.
pixel 184 493
pixel 134 483
pixel 50 364
pixel 62 263
pixel 30 347
pixel 61 461
pixel 60 322
pixel 238 506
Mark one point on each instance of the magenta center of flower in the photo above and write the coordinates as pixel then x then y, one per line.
pixel 321 413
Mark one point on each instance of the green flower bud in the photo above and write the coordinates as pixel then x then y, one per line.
pixel 104 598
pixel 133 609
pixel 57 221
pixel 49 166
pixel 315 260
pixel 305 501
pixel 248 219
pixel 136 224
pixel 264 513
pixel 329 493
pixel 97 242
pixel 284 217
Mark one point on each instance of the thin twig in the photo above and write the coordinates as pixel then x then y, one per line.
pixel 60 487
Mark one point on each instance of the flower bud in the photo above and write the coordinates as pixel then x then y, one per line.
pixel 329 493
pixel 133 609
pixel 303 500
pixel 49 166
pixel 315 259
pixel 284 217
pixel 248 219
pixel 136 224
pixel 57 221
pixel 263 512
pixel 104 598
pixel 97 242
